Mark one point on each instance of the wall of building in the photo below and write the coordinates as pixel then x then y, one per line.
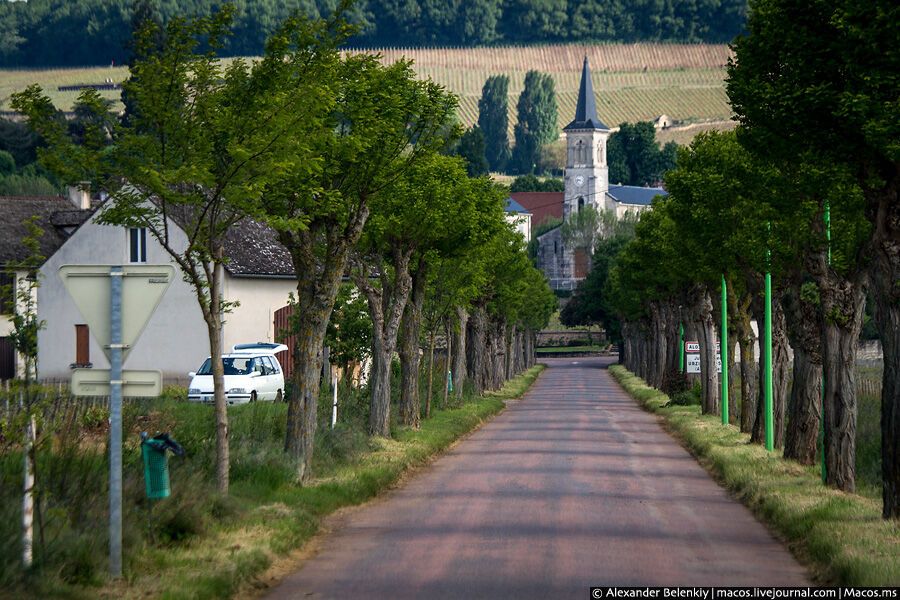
pixel 253 319
pixel 174 340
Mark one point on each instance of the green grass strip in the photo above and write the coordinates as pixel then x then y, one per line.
pixel 226 560
pixel 840 536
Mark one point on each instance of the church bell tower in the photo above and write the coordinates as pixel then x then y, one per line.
pixel 587 174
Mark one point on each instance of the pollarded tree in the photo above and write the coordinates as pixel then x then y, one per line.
pixel 194 153
pixel 384 121
pixel 493 120
pixel 820 80
pixel 537 121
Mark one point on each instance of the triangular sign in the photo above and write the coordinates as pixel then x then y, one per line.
pixel 143 286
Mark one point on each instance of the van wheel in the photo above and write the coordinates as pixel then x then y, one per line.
pixel 279 397
pixel 253 396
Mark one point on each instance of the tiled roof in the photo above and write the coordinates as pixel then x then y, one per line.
pixel 541 205
pixel 53 214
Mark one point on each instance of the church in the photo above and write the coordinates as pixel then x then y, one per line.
pixel 586 185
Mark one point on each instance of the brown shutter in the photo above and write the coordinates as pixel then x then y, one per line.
pixel 82 345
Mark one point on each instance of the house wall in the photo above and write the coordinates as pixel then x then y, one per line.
pixel 174 340
pixel 522 223
pixel 253 320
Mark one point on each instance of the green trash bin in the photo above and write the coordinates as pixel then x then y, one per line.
pixel 156 464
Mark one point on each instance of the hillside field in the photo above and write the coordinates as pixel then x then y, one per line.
pixel 633 82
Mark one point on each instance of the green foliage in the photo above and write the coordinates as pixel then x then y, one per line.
pixel 537 121
pixel 493 119
pixel 56 32
pixel 7 163
pixel 533 183
pixel 349 331
pixel 471 147
pixel 634 155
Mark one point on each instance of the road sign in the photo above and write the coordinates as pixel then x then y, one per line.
pixel 143 286
pixel 135 384
pixel 692 357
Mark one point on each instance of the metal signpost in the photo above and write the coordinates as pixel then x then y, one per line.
pixel 770 426
pixel 116 302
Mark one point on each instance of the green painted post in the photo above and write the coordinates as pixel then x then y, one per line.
pixel 770 429
pixel 681 347
pixel 822 414
pixel 724 344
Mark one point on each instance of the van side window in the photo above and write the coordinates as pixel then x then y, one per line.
pixel 271 365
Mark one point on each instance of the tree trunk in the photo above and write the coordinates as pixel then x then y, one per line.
pixel 213 318
pixel 709 378
pixel 430 374
pixel 885 275
pixel 445 374
pixel 843 304
pixel 804 331
pixel 743 334
pixel 459 360
pixel 318 280
pixel 410 403
pixel 386 307
pixel 476 342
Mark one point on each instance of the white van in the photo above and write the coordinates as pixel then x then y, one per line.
pixel 252 372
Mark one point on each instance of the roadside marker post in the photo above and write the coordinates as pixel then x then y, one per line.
pixel 681 348
pixel 770 433
pixel 724 351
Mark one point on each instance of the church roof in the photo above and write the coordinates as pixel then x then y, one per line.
pixel 632 194
pixel 514 207
pixel 586 111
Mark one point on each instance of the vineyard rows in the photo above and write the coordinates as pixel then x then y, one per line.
pixel 682 81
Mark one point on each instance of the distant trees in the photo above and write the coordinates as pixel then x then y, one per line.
pixel 89 32
pixel 493 119
pixel 470 146
pixel 537 121
pixel 634 155
pixel 533 183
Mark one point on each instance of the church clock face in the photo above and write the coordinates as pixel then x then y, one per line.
pixel 579 180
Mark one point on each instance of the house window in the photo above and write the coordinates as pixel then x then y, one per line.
pixel 137 243
pixel 82 346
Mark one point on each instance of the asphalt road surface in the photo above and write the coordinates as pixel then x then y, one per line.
pixel 573 486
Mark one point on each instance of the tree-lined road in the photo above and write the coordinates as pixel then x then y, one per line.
pixel 570 487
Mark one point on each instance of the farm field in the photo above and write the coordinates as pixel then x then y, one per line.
pixel 633 82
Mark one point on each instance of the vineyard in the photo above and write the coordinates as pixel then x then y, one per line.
pixel 634 82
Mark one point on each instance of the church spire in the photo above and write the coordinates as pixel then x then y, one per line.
pixel 586 111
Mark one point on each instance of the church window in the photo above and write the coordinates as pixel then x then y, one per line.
pixel 580 203
pixel 580 155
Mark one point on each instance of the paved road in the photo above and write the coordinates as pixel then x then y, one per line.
pixel 570 487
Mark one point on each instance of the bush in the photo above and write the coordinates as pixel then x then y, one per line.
pixel 689 397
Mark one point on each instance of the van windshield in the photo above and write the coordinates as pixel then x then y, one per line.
pixel 238 365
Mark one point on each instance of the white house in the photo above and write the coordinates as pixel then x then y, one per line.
pixel 258 277
pixel 518 217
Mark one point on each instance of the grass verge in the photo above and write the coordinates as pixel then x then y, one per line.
pixel 841 536
pixel 274 522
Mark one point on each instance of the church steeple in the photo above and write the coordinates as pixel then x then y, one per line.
pixel 586 111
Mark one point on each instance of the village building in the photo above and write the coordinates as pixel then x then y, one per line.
pixel 258 280
pixel 586 185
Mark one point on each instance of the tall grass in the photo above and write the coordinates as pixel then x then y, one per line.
pixel 841 536
pixel 197 543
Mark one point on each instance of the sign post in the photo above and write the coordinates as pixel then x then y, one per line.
pixel 724 352
pixel 681 347
pixel 137 288
pixel 770 426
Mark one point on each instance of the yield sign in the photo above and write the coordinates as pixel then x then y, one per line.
pixel 143 286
